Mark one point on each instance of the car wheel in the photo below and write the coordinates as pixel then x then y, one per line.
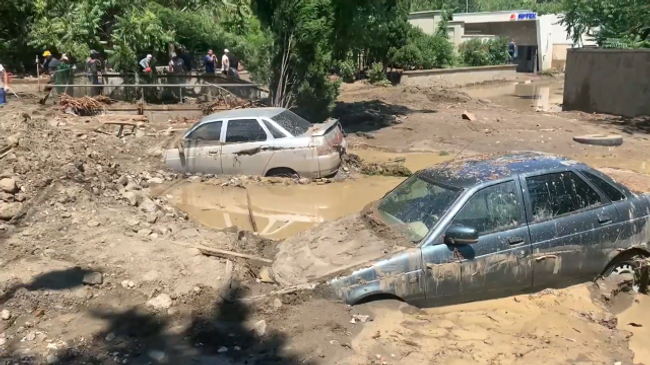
pixel 282 172
pixel 626 267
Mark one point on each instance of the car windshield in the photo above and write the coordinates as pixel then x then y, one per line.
pixel 292 122
pixel 417 205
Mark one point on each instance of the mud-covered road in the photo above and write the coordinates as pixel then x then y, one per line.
pixel 100 261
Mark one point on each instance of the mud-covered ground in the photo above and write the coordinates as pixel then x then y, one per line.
pixel 99 264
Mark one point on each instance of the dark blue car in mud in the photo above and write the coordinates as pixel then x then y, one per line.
pixel 489 226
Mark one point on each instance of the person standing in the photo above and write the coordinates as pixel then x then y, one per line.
pixel 93 67
pixel 234 65
pixel 187 59
pixel 512 50
pixel 225 62
pixel 145 63
pixel 63 74
pixel 4 85
pixel 50 65
pixel 210 62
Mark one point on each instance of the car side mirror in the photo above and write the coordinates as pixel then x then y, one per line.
pixel 461 235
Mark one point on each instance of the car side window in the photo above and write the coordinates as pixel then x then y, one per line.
pixel 556 194
pixel 274 131
pixel 493 209
pixel 207 132
pixel 608 189
pixel 244 130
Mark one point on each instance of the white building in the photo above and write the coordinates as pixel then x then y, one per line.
pixel 537 37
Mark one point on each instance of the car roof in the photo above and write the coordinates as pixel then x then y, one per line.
pixel 244 113
pixel 474 170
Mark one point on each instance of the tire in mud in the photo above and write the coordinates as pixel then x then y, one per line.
pixel 609 140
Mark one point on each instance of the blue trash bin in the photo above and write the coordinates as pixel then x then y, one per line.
pixel 3 96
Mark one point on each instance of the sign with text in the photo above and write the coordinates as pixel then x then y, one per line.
pixel 523 16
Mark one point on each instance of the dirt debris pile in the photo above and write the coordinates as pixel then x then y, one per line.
pixel 85 105
pixel 393 167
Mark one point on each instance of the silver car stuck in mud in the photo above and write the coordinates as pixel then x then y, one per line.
pixel 479 228
pixel 259 141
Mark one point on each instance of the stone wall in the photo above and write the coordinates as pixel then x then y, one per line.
pixel 454 77
pixel 611 81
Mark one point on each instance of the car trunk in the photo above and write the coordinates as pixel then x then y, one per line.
pixel 329 135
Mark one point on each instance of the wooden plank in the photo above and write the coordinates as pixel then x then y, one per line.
pixel 209 251
pixel 140 118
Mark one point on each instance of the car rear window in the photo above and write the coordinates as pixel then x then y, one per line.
pixel 611 191
pixel 292 122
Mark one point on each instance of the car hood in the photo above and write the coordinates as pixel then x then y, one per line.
pixel 334 247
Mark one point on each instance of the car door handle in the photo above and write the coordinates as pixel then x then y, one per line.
pixel 515 240
pixel 602 219
pixel 213 152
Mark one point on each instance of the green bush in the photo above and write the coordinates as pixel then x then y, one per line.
pixel 478 52
pixel 347 71
pixel 376 74
pixel 423 51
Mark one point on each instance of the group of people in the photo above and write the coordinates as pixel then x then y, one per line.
pixel 229 63
pixel 180 63
pixel 61 71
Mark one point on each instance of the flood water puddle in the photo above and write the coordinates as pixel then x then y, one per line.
pixel 541 95
pixel 279 211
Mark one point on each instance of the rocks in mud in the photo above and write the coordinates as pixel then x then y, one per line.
pixel 468 116
pixel 277 303
pixel 93 223
pixel 93 278
pixel 162 301
pixel 9 210
pixel 194 179
pixel 145 232
pixel 148 205
pixel 132 197
pixel 155 180
pixel 259 328
pixel 266 275
pixel 9 185
pixel 5 314
pixel 304 181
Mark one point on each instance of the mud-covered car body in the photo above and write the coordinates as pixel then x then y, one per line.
pixel 512 223
pixel 259 141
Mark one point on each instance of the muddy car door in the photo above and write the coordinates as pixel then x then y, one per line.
pixel 247 148
pixel 201 150
pixel 569 222
pixel 496 264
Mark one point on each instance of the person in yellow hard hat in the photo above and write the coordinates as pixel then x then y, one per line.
pixel 50 65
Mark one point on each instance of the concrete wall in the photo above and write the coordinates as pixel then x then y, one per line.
pixel 426 20
pixel 455 77
pixel 607 81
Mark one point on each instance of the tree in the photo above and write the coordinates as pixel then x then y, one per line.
pixel 301 54
pixel 612 23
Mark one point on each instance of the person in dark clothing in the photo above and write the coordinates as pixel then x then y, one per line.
pixel 93 67
pixel 50 65
pixel 234 65
pixel 187 60
pixel 512 50
pixel 210 62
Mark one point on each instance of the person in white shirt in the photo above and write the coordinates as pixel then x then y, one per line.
pixel 225 62
pixel 4 85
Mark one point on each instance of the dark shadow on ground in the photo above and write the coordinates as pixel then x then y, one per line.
pixel 368 116
pixel 54 280
pixel 626 125
pixel 221 335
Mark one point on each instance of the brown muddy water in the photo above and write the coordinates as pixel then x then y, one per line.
pixel 281 211
pixel 539 95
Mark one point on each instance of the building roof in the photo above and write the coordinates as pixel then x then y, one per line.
pixel 244 113
pixel 473 170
